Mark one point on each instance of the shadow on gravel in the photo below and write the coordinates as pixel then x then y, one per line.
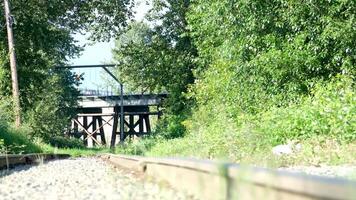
pixel 18 168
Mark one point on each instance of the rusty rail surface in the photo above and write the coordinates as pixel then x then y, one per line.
pixel 11 160
pixel 215 180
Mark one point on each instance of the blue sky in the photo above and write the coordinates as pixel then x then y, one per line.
pixel 97 53
pixel 100 53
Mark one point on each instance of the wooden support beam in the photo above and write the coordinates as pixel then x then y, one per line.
pixel 126 123
pixel 106 121
pixel 94 114
pixel 86 131
pixel 148 125
pixel 141 113
pixel 102 133
pixel 93 122
pixel 85 127
pixel 94 132
pixel 137 122
pixel 114 129
pixel 140 123
pixel 131 127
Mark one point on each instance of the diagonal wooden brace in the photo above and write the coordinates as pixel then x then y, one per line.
pixel 91 134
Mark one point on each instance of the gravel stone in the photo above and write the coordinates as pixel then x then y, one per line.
pixel 342 171
pixel 79 178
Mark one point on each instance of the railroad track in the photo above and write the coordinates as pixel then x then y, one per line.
pixel 214 180
pixel 10 160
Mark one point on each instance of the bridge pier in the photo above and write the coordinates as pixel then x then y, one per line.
pixel 88 125
pixel 100 116
pixel 136 122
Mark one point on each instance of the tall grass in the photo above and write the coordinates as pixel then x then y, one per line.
pixel 15 141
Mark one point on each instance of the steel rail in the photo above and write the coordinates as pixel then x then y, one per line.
pixel 216 180
pixel 10 160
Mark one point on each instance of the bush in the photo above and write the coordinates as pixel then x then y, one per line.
pixel 171 126
pixel 328 114
pixel 15 141
pixel 66 142
pixel 2 146
pixel 330 111
pixel 138 147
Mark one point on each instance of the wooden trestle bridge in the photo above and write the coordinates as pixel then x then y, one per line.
pixel 101 119
pixel 97 113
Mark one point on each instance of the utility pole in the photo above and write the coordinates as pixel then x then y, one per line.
pixel 15 85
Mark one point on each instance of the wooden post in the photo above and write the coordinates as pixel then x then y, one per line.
pixel 114 128
pixel 132 125
pixel 122 133
pixel 15 86
pixel 141 124
pixel 94 119
pixel 85 126
pixel 102 133
pixel 148 125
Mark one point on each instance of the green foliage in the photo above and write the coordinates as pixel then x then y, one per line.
pixel 171 126
pixel 257 54
pixel 65 142
pixel 149 62
pixel 207 138
pixel 6 109
pixel 43 32
pixel 74 152
pixel 160 57
pixel 53 107
pixel 264 72
pixel 330 112
pixel 262 69
pixel 254 73
pixel 323 123
pixel 137 147
pixel 16 141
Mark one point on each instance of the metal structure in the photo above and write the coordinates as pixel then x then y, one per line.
pixel 100 111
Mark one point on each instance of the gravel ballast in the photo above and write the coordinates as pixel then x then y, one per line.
pixel 80 178
pixel 342 171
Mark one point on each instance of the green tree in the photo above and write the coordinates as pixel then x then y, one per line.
pixel 44 39
pixel 257 54
pixel 158 56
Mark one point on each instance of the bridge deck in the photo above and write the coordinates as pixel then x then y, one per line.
pixel 112 101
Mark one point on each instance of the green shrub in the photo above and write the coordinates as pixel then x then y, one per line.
pixel 6 110
pixel 171 126
pixel 138 147
pixel 328 114
pixel 2 146
pixel 330 111
pixel 66 142
pixel 16 141
pixel 211 134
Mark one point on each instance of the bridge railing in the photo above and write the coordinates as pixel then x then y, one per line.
pixel 101 93
pixel 91 92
